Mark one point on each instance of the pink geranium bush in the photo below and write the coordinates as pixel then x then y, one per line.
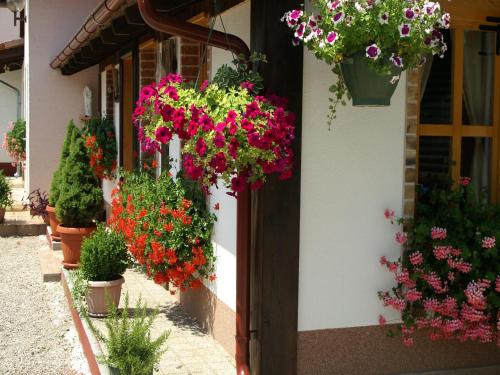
pixel 448 279
pixel 227 133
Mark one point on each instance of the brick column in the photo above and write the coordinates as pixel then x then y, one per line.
pixel 147 64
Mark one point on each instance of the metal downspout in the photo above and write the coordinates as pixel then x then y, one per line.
pixel 170 25
pixel 18 93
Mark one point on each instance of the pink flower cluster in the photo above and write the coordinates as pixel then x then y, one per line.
pixel 441 293
pixel 241 145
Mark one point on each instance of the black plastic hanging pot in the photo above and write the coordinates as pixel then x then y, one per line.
pixel 366 86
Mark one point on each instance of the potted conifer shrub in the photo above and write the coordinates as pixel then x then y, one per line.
pixel 130 348
pixel 103 261
pixel 71 132
pixel 5 195
pixel 79 202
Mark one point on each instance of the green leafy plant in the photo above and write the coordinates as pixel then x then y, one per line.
pixel 72 132
pixel 15 140
pixel 80 198
pixel 129 345
pixel 448 280
pixel 5 191
pixel 228 77
pixel 100 141
pixel 104 256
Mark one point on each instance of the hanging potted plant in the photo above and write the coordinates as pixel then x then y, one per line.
pixel 104 259
pixel 100 141
pixel 5 196
pixel 79 203
pixel 72 132
pixel 369 42
pixel 15 143
pixel 229 132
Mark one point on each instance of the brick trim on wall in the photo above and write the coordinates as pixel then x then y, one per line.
pixel 147 64
pixel 411 141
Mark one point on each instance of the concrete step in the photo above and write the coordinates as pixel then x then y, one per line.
pixel 21 224
pixel 50 265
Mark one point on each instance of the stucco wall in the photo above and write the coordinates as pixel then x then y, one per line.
pixel 7 29
pixel 237 22
pixel 349 176
pixel 8 105
pixel 52 99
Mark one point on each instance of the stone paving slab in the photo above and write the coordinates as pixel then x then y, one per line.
pixel 190 350
pixel 50 265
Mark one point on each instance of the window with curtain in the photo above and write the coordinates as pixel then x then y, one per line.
pixel 458 118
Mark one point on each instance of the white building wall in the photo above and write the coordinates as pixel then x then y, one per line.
pixel 52 99
pixel 237 22
pixel 350 175
pixel 8 105
pixel 7 29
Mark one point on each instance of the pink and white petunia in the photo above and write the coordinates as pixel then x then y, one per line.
pixel 331 37
pixel 396 60
pixel 338 17
pixel 373 51
pixel 383 18
pixel 404 30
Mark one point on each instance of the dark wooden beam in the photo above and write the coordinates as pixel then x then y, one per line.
pixel 276 207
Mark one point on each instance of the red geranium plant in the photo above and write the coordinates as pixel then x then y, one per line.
pixel 448 280
pixel 100 142
pixel 229 133
pixel 167 231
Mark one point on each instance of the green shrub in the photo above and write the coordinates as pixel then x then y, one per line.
pixel 5 191
pixel 71 133
pixel 104 255
pixel 129 345
pixel 80 198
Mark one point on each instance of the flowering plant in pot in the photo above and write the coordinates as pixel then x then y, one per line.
pixel 168 230
pixel 103 261
pixel 100 141
pixel 229 133
pixel 448 279
pixel 72 132
pixel 129 346
pixel 5 195
pixel 37 203
pixel 369 42
pixel 79 203
pixel 15 140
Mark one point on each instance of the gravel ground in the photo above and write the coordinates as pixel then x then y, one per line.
pixel 37 335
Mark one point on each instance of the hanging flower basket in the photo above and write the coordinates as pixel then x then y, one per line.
pixel 229 134
pixel 389 36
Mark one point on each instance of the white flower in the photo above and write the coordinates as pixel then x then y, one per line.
pixel 394 79
pixel 383 18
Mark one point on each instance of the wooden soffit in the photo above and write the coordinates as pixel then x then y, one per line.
pixel 11 55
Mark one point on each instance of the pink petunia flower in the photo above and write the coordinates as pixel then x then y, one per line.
pixel 373 51
pixel 489 242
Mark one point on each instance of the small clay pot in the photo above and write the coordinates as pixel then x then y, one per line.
pixel 99 292
pixel 2 214
pixel 71 243
pixel 51 212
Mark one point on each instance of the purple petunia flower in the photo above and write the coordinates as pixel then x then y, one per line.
pixel 373 52
pixel 396 60
pixel 383 18
pixel 331 37
pixel 404 30
pixel 338 17
pixel 409 13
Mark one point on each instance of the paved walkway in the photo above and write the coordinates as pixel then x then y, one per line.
pixel 36 330
pixel 190 351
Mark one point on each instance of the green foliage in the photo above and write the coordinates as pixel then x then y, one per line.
pixel 129 344
pixel 80 198
pixel 72 132
pixel 104 255
pixel 15 141
pixel 228 77
pixel 5 191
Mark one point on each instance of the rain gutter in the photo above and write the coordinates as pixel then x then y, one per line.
pixel 170 25
pixel 102 14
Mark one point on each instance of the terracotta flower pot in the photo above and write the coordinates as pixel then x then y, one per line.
pixel 97 292
pixel 2 214
pixel 51 211
pixel 71 243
